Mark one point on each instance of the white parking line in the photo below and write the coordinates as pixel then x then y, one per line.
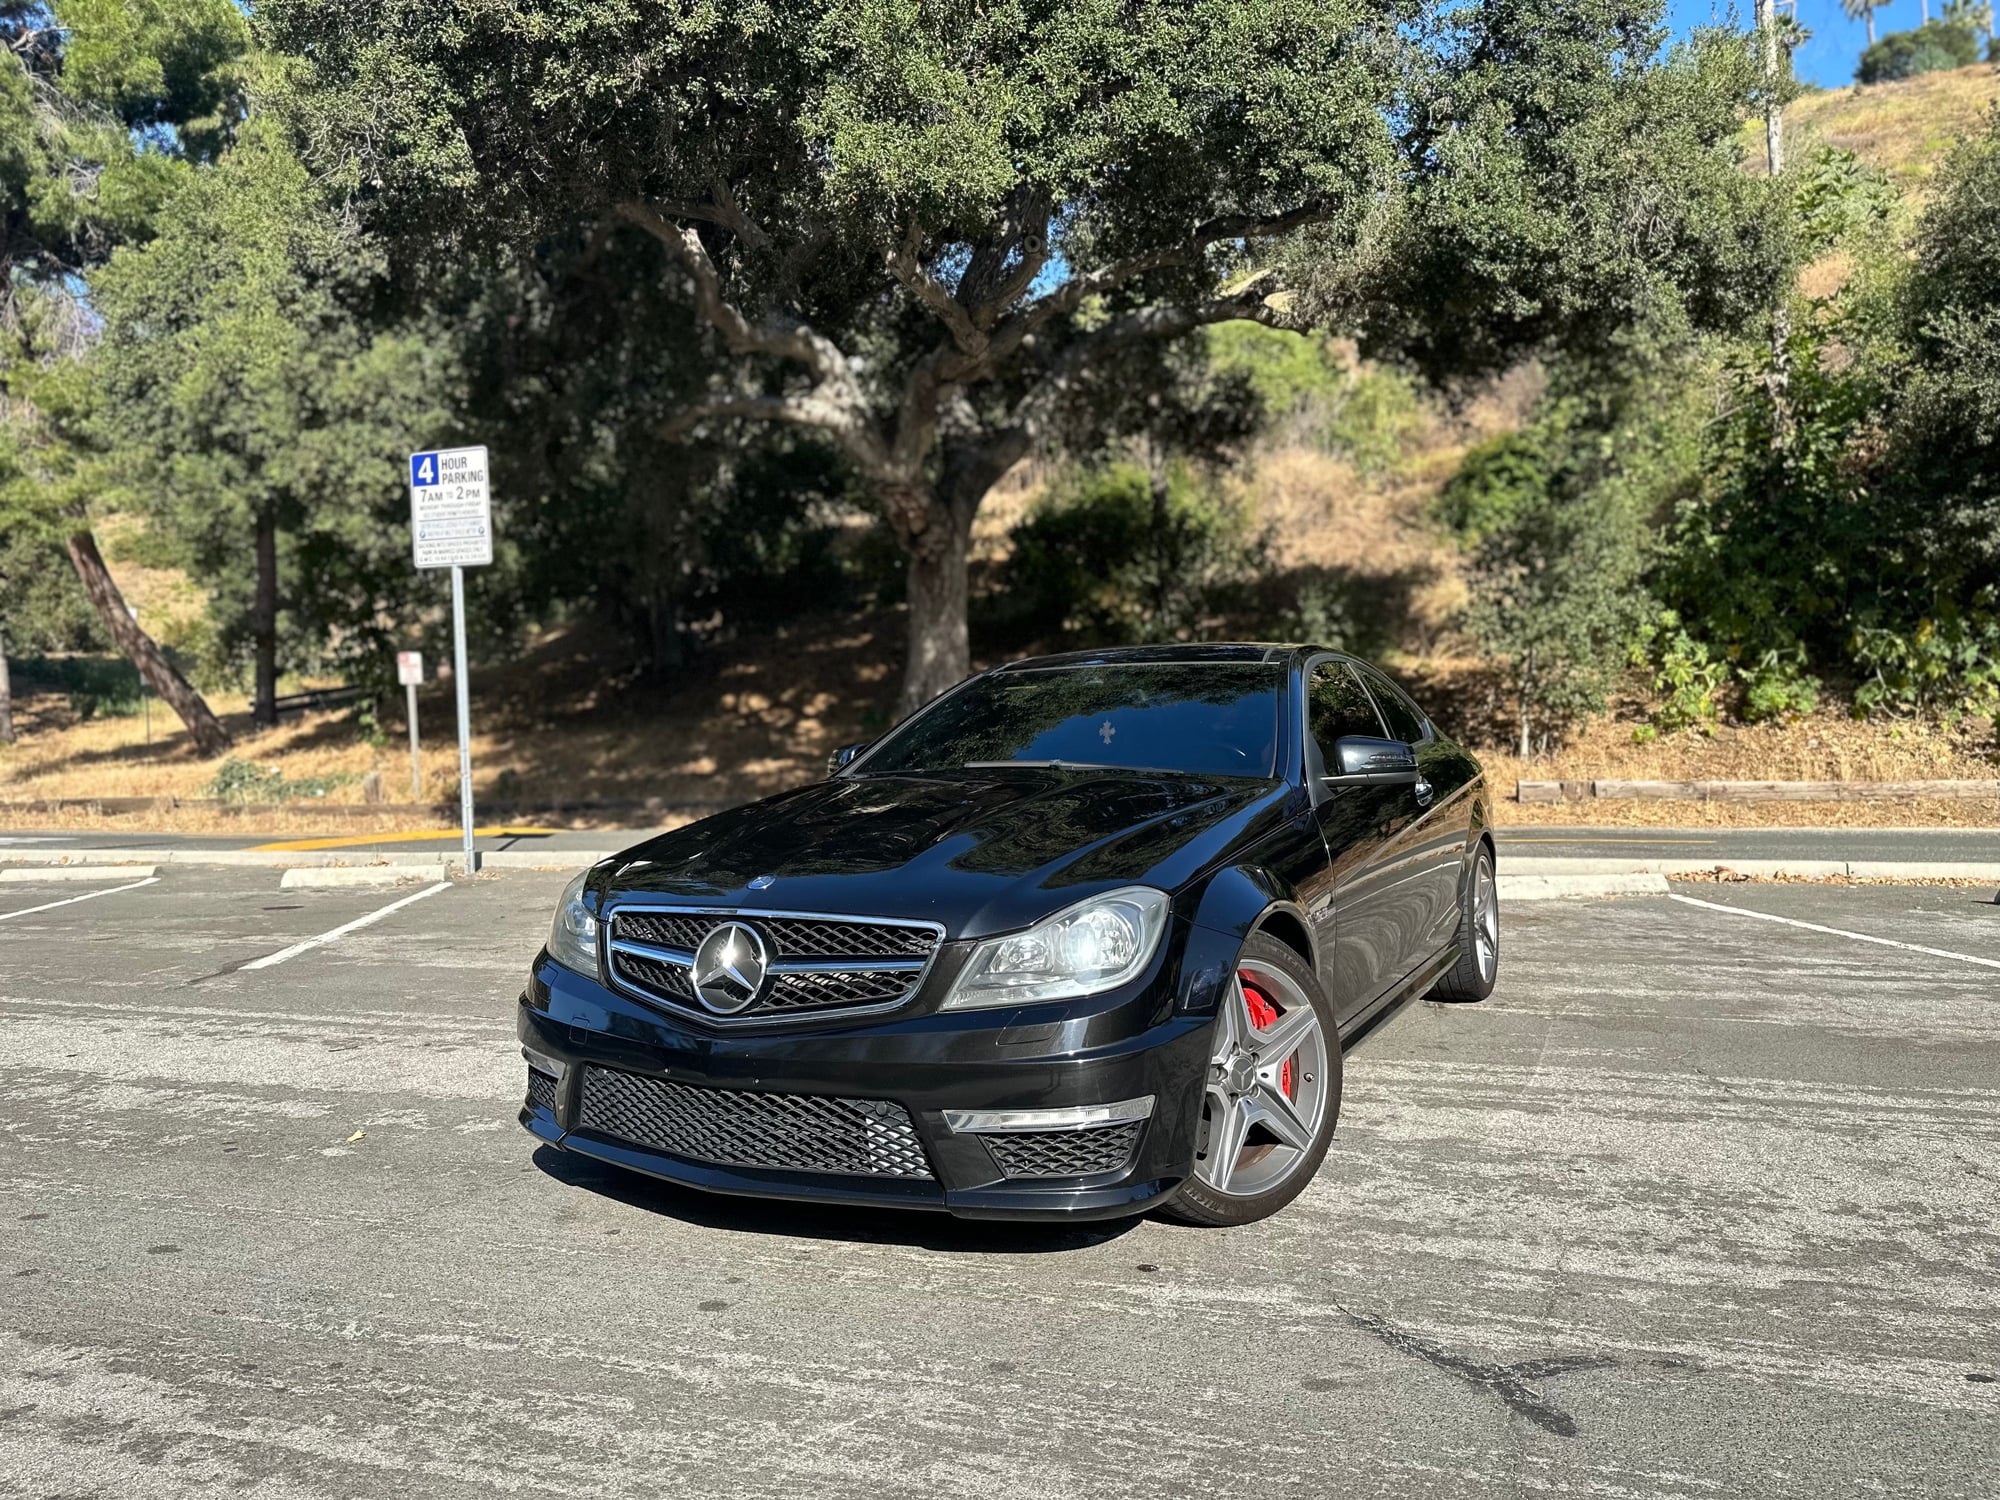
pixel 1859 937
pixel 342 931
pixel 29 911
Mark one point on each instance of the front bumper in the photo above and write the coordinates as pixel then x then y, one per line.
pixel 1121 1046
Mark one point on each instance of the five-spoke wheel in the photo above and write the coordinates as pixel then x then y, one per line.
pixel 1271 1093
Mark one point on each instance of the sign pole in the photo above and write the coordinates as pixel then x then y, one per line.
pixel 451 526
pixel 460 679
pixel 416 753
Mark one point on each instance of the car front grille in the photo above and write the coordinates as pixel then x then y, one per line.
pixel 1063 1153
pixel 816 963
pixel 737 1128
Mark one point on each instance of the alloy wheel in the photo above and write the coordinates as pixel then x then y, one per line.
pixel 1266 1094
pixel 1486 918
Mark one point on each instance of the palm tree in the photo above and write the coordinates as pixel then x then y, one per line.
pixel 1862 10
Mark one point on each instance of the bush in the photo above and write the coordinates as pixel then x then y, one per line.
pixel 1690 680
pixel 1555 517
pixel 239 780
pixel 1314 396
pixel 1110 555
pixel 1934 47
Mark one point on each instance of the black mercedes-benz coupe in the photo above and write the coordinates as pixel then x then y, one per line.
pixel 1083 937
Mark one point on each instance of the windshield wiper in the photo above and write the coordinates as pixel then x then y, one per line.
pixel 1059 765
pixel 1075 765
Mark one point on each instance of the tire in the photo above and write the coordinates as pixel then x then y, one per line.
pixel 1280 1102
pixel 1478 968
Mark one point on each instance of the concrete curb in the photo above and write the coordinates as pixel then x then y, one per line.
pixel 543 859
pixel 102 874
pixel 256 859
pixel 375 876
pixel 1760 869
pixel 1558 887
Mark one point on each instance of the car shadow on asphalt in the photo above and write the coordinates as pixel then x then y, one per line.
pixel 922 1228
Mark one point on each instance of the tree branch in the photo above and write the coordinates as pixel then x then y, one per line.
pixel 1071 294
pixel 1249 303
pixel 786 338
pixel 852 431
pixel 907 266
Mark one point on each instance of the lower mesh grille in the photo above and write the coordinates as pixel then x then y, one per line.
pixel 733 1128
pixel 541 1090
pixel 1064 1153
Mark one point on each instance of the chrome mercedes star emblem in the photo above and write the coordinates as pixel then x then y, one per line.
pixel 763 882
pixel 729 968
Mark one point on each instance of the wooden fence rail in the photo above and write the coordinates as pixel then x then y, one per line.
pixel 1755 791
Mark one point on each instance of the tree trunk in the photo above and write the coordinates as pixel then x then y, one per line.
pixel 940 652
pixel 1778 377
pixel 209 737
pixel 6 696
pixel 264 623
pixel 1871 28
pixel 1527 691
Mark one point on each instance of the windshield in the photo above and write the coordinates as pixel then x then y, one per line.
pixel 1212 719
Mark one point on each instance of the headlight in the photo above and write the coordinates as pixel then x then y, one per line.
pixel 573 934
pixel 1095 945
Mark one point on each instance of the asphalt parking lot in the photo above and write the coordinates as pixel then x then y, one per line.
pixel 1697 1205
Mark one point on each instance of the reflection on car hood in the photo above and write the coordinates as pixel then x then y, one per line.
pixel 980 851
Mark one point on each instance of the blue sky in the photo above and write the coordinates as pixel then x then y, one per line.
pixel 1829 58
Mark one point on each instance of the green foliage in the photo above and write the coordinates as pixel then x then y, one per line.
pixel 1309 394
pixel 1115 555
pixel 1689 679
pixel 1937 46
pixel 1861 540
pixel 1778 686
pixel 239 381
pixel 238 780
pixel 1557 546
pixel 1580 185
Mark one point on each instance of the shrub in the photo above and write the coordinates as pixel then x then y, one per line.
pixel 1934 47
pixel 1313 394
pixel 1690 678
pixel 1113 555
pixel 238 780
pixel 1779 687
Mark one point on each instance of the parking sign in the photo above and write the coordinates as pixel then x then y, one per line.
pixel 451 520
pixel 410 668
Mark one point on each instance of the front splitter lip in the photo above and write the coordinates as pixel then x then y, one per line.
pixel 1117 1201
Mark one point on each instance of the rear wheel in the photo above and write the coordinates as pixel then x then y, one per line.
pixel 1271 1093
pixel 1478 966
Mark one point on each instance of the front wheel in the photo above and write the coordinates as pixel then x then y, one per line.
pixel 1271 1093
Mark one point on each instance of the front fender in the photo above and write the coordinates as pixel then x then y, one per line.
pixel 1235 902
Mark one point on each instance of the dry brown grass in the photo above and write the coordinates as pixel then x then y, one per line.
pixel 553 728
pixel 1905 128
pixel 1826 746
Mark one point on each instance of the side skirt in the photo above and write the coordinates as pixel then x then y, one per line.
pixel 1417 985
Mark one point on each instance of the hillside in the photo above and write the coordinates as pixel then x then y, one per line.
pixel 566 722
pixel 1904 128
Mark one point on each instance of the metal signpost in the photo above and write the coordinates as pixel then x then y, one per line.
pixel 410 672
pixel 451 526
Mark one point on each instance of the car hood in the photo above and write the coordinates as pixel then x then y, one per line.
pixel 979 852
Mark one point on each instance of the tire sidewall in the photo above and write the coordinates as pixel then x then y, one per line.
pixel 1195 1199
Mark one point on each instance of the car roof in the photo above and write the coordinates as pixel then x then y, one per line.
pixel 1206 651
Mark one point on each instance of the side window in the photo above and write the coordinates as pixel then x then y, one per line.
pixel 1401 715
pixel 1337 705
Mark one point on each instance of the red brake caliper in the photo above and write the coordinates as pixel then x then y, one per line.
pixel 1264 1015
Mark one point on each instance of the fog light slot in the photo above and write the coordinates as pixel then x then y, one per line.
pixel 1072 1117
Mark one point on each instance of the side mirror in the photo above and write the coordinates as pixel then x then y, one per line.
pixel 1365 760
pixel 845 754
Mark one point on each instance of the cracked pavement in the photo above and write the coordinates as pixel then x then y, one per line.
pixel 1694 1206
